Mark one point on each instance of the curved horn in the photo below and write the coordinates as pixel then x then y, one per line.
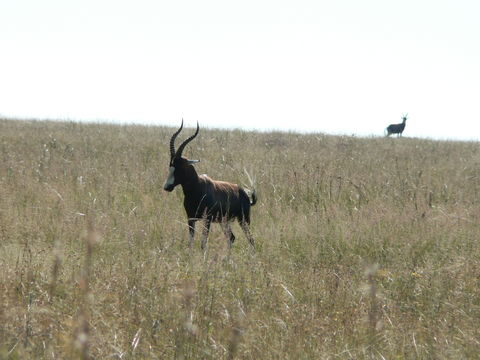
pixel 172 141
pixel 180 149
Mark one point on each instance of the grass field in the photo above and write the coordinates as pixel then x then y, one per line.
pixel 366 248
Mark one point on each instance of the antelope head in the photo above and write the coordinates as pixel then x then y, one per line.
pixel 180 170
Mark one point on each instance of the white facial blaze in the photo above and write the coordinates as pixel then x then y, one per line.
pixel 170 179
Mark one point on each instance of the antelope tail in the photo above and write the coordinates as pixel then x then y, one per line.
pixel 254 198
pixel 252 185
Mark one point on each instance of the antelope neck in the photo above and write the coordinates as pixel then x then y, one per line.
pixel 191 183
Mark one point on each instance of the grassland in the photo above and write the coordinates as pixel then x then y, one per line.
pixel 366 248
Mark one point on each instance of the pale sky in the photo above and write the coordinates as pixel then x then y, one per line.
pixel 343 66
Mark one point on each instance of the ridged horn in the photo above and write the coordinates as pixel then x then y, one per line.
pixel 172 141
pixel 180 149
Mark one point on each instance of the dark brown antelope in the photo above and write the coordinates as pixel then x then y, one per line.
pixel 397 128
pixel 206 199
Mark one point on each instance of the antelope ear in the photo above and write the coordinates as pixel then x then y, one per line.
pixel 193 161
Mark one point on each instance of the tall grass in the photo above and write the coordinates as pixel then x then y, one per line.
pixel 366 248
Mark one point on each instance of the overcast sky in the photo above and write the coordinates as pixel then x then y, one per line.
pixel 343 66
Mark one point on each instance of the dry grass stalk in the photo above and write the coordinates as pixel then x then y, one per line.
pixel 374 313
pixel 82 340
pixel 57 261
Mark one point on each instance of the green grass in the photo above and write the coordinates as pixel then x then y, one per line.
pixel 366 248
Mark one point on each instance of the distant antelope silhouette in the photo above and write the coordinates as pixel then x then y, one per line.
pixel 397 128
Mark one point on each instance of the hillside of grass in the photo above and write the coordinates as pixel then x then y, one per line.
pixel 366 247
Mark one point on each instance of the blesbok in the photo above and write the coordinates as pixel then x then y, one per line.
pixel 207 199
pixel 397 128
